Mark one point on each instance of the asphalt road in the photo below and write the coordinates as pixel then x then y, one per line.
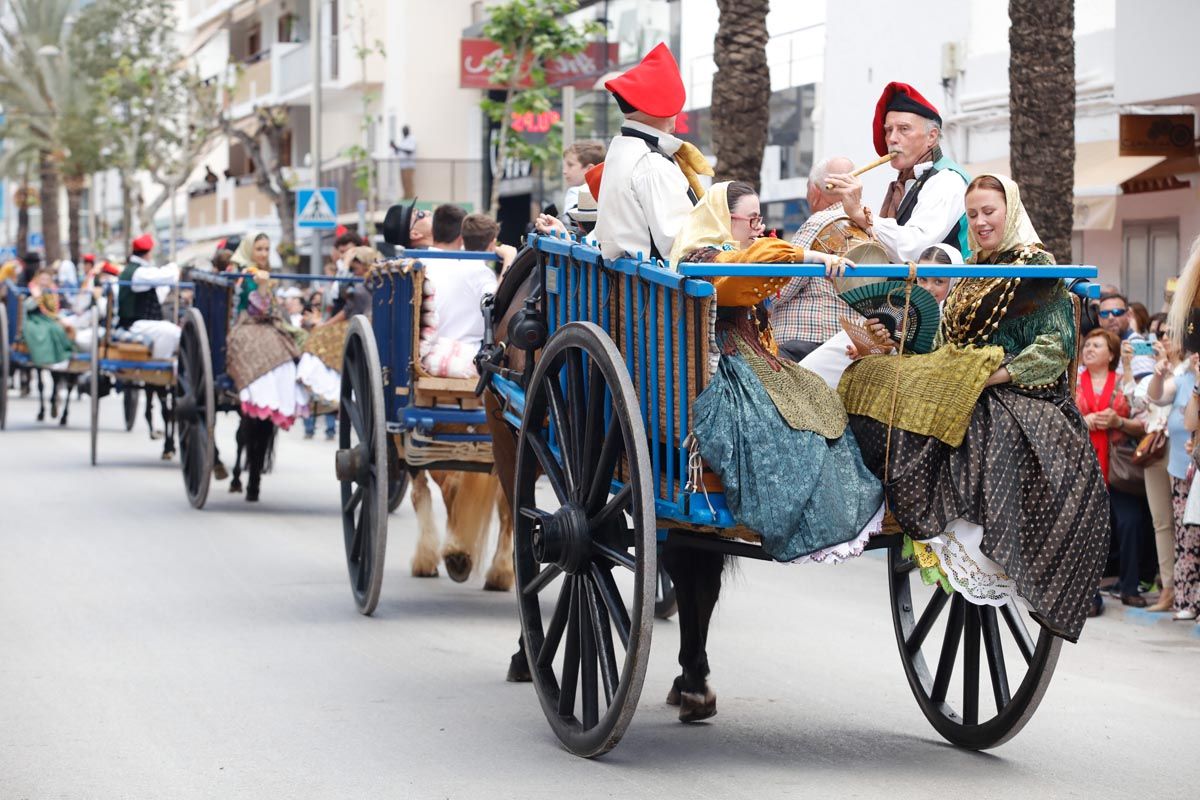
pixel 148 650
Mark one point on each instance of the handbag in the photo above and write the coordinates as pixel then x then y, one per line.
pixel 1191 511
pixel 1151 448
pixel 1125 475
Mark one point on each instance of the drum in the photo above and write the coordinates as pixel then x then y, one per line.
pixel 842 237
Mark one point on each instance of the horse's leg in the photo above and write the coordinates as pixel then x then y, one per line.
pixel 425 560
pixel 154 434
pixel 41 397
pixel 500 574
pixel 166 403
pixel 697 578
pixel 235 485
pixel 259 442
pixel 69 381
pixel 469 513
pixel 55 379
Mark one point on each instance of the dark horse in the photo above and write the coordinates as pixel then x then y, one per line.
pixel 695 573
pixel 57 379
pixel 166 402
pixel 256 438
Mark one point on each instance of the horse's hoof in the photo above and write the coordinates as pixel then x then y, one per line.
pixel 62 423
pixel 696 706
pixel 235 487
pixel 252 495
pixel 458 566
pixel 673 695
pixel 219 471
pixel 518 669
pixel 155 435
pixel 168 455
pixel 424 572
pixel 41 416
pixel 498 581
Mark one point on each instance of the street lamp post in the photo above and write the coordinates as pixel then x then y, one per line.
pixel 315 122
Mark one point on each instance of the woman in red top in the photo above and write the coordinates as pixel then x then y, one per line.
pixel 1107 413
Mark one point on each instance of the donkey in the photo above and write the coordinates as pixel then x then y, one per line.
pixel 696 573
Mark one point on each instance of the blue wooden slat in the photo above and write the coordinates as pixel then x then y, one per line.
pixel 655 359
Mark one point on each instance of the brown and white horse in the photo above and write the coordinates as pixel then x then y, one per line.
pixel 471 499
pixel 695 573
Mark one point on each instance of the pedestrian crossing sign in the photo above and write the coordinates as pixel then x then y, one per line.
pixel 318 208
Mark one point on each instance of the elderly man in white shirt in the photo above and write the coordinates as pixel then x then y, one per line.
pixel 925 204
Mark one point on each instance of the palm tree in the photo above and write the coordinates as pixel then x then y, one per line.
pixel 1041 77
pixel 741 91
pixel 34 78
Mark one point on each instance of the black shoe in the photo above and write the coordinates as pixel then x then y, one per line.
pixel 1133 600
pixel 1097 607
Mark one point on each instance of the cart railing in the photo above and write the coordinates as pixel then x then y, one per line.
pixel 661 320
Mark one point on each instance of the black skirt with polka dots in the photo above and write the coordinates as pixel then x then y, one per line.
pixel 1028 475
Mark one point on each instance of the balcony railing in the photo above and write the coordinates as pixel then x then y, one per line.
pixel 254 82
pixel 295 66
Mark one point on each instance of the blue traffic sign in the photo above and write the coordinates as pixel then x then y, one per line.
pixel 317 208
pixel 36 241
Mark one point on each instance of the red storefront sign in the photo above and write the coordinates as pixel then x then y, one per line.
pixel 580 71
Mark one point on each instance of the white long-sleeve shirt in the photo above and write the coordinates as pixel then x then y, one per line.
pixel 939 207
pixel 150 277
pixel 643 196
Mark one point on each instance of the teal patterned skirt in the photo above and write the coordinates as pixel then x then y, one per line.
pixel 799 490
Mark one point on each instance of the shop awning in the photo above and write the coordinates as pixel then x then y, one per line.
pixel 246 8
pixel 204 36
pixel 1099 172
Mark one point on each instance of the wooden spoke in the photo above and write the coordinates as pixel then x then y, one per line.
pixel 1012 616
pixel 618 504
pixel 593 428
pixel 615 556
pixel 587 640
pixel 607 587
pixel 570 670
pixel 971 666
pixel 995 657
pixel 356 418
pixel 605 465
pixel 606 653
pixel 928 617
pixel 945 668
pixel 577 408
pixel 558 623
pixel 357 541
pixel 564 427
pixel 542 579
pixel 550 465
pixel 354 500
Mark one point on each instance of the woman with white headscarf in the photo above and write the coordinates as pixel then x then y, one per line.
pixel 986 461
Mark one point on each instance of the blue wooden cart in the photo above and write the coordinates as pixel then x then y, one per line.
pixel 395 417
pixel 604 415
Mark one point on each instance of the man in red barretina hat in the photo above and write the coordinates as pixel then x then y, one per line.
pixel 649 181
pixel 925 204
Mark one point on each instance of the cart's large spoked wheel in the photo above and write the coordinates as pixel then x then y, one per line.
pixel 362 464
pixel 585 562
pixel 397 477
pixel 195 408
pixel 954 696
pixel 4 366
pixel 94 380
pixel 130 398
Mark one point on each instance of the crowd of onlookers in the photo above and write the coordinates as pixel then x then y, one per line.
pixel 1137 391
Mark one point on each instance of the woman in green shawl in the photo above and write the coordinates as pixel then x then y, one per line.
pixel 988 464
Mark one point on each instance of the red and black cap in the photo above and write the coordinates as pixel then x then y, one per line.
pixel 653 87
pixel 900 97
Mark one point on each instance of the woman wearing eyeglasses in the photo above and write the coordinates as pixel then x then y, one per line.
pixel 773 431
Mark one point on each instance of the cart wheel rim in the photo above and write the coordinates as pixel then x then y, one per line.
pixel 362 462
pixel 957 697
pixel 569 556
pixel 195 408
pixel 397 477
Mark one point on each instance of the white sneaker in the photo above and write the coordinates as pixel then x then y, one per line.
pixel 1185 615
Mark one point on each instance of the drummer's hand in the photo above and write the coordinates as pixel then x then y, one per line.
pixel 879 331
pixel 548 224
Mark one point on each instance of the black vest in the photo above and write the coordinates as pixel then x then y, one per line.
pixel 904 213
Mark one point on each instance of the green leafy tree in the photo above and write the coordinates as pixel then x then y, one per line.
pixel 530 35
pixel 35 76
